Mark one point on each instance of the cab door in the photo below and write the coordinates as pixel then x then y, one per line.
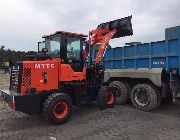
pixel 72 67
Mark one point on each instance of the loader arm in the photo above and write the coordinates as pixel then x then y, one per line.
pixel 103 41
pixel 107 31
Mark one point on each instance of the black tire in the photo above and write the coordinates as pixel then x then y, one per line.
pixel 122 92
pixel 128 89
pixel 158 96
pixel 145 97
pixel 54 103
pixel 106 97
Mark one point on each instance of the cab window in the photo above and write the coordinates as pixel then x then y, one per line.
pixel 73 48
pixel 53 46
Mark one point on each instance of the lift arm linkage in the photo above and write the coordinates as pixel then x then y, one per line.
pixel 109 30
pixel 100 37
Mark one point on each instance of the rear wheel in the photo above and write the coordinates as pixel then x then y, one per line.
pixel 106 97
pixel 158 96
pixel 128 89
pixel 122 92
pixel 145 97
pixel 57 108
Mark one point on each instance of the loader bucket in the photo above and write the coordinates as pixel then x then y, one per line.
pixel 123 26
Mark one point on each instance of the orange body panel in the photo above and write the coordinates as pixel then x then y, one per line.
pixel 68 74
pixel 34 78
pixel 32 75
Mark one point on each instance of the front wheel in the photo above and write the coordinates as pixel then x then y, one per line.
pixel 57 108
pixel 106 97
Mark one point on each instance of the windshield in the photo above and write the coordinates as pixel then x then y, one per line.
pixel 53 46
pixel 73 48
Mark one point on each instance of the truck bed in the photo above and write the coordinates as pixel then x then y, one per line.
pixel 163 54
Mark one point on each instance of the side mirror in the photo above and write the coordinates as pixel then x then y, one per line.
pixel 45 50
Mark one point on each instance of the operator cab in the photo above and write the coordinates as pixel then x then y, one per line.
pixel 67 46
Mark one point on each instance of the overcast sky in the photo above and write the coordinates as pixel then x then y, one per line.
pixel 23 22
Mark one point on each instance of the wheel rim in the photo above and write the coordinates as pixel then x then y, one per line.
pixel 110 98
pixel 141 97
pixel 60 110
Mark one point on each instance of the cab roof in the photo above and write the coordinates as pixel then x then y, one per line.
pixel 64 32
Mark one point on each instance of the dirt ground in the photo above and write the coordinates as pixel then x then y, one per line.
pixel 88 122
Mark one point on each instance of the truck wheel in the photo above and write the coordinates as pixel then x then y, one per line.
pixel 106 97
pixel 145 97
pixel 122 94
pixel 128 89
pixel 57 108
pixel 158 96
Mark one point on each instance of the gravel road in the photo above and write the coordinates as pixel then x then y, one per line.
pixel 88 122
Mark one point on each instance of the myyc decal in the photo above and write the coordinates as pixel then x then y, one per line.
pixel 38 66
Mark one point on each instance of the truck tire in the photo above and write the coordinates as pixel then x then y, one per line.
pixel 145 97
pixel 106 97
pixel 57 108
pixel 122 93
pixel 158 96
pixel 128 89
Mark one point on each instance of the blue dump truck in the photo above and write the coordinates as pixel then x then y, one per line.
pixel 145 74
